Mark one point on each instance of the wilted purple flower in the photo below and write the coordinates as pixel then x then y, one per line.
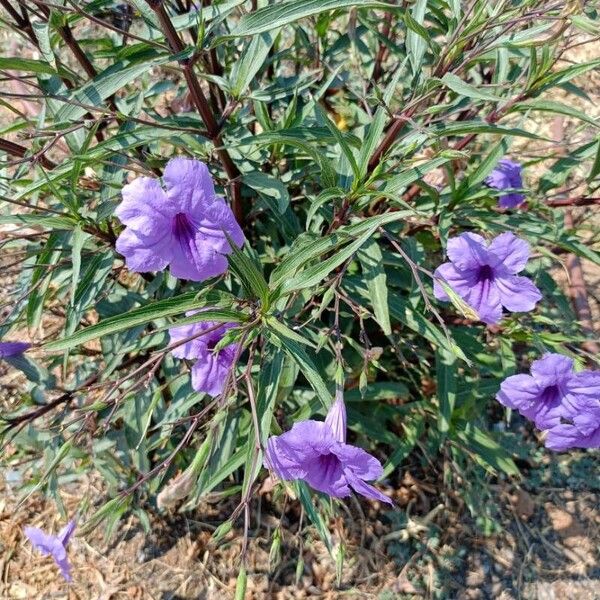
pixel 485 276
pixel 210 371
pixel 8 349
pixel 507 176
pixel 182 227
pixel 53 545
pixel 317 453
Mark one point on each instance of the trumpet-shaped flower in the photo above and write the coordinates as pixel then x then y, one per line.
pixel 53 545
pixel 507 175
pixel 183 227
pixel 317 453
pixel 485 275
pixel 211 367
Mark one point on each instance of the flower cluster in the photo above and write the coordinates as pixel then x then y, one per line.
pixel 557 400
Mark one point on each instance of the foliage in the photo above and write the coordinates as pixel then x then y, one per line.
pixel 352 139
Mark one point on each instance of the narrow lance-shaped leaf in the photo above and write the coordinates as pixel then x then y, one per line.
pixel 280 335
pixel 445 367
pixel 284 13
pixel 371 260
pixel 145 314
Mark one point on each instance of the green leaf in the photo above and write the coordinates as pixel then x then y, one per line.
pixel 412 432
pixel 315 273
pixel 250 62
pixel 315 517
pixel 284 13
pixel 250 275
pixel 596 166
pixel 27 65
pixel 280 335
pixel 486 166
pixel 371 260
pixel 399 182
pixel 105 84
pixel 339 138
pixel 145 314
pixel 415 43
pixel 79 238
pixel 379 390
pixel 46 221
pixel 462 88
pixel 241 584
pixel 299 138
pixel 376 128
pixel 268 185
pixel 446 373
pixel 487 451
pixel 557 108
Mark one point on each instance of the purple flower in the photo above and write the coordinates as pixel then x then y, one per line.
pixel 53 545
pixel 548 394
pixel 8 349
pixel 317 453
pixel 485 276
pixel 507 176
pixel 182 227
pixel 212 367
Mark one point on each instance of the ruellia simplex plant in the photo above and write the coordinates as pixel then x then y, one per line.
pixel 302 240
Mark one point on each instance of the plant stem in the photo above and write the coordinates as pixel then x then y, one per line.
pixel 202 106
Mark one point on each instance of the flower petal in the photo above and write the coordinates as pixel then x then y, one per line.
pixel 142 256
pixel 216 219
pixel 517 294
pixel 145 208
pixel 585 384
pixel 211 370
pixel 519 392
pixel 367 490
pixel 552 368
pixel 192 348
pixel 510 200
pixel 511 251
pixel 42 541
pixel 460 281
pixel 8 349
pixel 359 461
pixel 484 297
pixel 587 420
pixel 336 418
pixel 326 475
pixel 196 260
pixel 467 251
pixel 50 545
pixel 64 535
pixel 563 437
pixel 290 453
pixel 189 185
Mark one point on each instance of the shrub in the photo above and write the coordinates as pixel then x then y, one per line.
pixel 360 147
